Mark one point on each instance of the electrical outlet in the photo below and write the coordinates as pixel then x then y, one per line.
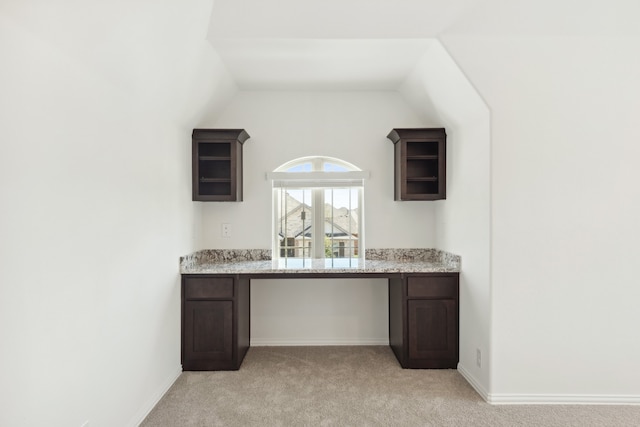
pixel 226 231
pixel 478 358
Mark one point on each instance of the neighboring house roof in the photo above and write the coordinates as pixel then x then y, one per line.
pixel 338 221
pixel 293 222
pixel 343 218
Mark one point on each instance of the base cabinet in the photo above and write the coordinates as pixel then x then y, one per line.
pixel 212 325
pixel 424 330
pixel 209 337
pixel 432 332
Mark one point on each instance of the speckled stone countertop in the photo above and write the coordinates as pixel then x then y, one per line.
pixel 258 261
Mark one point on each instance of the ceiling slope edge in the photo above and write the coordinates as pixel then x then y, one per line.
pixel 437 87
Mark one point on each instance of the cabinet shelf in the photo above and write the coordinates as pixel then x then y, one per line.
pixel 423 178
pixel 420 163
pixel 214 158
pixel 215 179
pixel 425 157
pixel 217 164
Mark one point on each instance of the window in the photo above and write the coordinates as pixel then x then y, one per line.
pixel 318 209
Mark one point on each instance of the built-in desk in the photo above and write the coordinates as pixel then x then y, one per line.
pixel 423 302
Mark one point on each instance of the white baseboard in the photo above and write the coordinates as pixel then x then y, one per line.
pixel 546 399
pixel 153 400
pixel 562 399
pixel 473 382
pixel 317 342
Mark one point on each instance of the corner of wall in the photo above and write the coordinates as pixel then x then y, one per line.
pixel 439 87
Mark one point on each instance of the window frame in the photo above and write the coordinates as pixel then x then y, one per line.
pixel 317 181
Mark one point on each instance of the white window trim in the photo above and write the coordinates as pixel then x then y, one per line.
pixel 317 179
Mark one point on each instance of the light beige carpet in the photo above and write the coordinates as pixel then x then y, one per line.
pixel 352 386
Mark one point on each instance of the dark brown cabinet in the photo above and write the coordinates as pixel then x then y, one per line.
pixel 423 318
pixel 432 335
pixel 215 327
pixel 420 163
pixel 217 164
pixel 210 324
pixel 423 330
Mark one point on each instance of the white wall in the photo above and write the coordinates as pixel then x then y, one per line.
pixel 319 312
pixel 463 219
pixel 348 125
pixel 565 211
pixel 96 111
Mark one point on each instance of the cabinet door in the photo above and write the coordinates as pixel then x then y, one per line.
pixel 208 330
pixel 433 329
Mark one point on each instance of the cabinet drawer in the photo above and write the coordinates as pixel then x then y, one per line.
pixel 208 287
pixel 432 286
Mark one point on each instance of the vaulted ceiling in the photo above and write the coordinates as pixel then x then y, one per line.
pixel 365 45
pixel 317 64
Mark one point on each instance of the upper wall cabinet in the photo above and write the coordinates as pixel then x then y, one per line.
pixel 217 164
pixel 420 163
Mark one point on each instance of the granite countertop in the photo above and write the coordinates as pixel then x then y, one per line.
pixel 258 261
